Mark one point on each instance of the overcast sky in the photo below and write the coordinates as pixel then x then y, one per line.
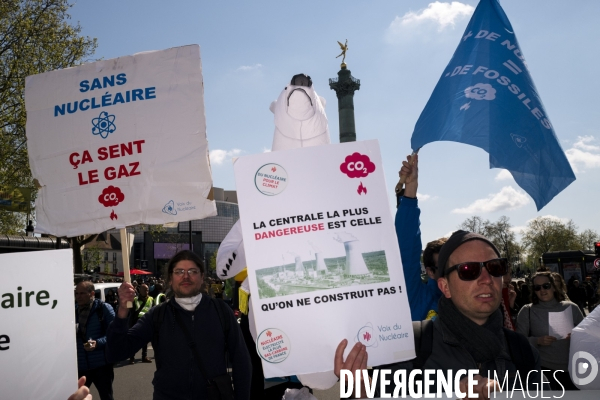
pixel 398 50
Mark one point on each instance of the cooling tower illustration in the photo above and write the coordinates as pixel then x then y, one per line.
pixel 299 267
pixel 355 265
pixel 321 268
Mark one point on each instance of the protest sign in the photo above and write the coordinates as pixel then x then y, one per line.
pixel 38 358
pixel 322 255
pixel 119 142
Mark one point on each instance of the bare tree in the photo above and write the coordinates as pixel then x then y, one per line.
pixel 586 239
pixel 475 224
pixel 76 244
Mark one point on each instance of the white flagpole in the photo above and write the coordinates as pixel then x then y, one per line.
pixel 125 254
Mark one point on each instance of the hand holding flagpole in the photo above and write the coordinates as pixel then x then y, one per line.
pixel 403 177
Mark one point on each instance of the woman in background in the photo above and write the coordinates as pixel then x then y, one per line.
pixel 533 322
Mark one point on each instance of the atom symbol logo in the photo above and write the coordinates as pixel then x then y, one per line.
pixel 103 125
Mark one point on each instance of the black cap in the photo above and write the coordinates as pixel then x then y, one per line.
pixel 456 240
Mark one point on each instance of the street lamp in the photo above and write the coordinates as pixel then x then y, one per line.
pixel 29 229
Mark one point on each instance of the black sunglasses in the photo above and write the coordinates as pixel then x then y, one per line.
pixel 545 286
pixel 469 271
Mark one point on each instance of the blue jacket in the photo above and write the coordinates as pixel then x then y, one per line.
pixel 95 330
pixel 177 374
pixel 422 297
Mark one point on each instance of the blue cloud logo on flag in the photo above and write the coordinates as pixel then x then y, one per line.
pixel 486 98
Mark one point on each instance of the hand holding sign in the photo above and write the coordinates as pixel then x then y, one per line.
pixel 355 361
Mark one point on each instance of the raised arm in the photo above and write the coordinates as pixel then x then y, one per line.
pixel 121 342
pixel 408 233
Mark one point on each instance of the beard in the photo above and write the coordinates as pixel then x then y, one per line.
pixel 187 293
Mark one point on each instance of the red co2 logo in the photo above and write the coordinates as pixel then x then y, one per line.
pixel 357 165
pixel 111 196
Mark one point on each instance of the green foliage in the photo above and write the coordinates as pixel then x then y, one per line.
pixel 12 223
pixel 76 243
pixel 92 258
pixel 542 235
pixel 35 37
pixel 545 234
pixel 212 262
pixel 229 288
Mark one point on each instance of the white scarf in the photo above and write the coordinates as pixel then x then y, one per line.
pixel 189 303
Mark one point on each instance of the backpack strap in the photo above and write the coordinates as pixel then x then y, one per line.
pixel 520 351
pixel 222 310
pixel 423 331
pixel 224 319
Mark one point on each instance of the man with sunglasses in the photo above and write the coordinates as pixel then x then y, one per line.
pixel 468 333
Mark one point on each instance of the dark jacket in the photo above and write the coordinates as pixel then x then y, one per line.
pixel 95 330
pixel 578 295
pixel 177 375
pixel 448 354
pixel 422 297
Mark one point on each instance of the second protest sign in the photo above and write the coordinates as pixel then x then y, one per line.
pixel 322 256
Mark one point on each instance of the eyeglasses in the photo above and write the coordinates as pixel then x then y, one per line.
pixel 191 272
pixel 545 286
pixel 469 271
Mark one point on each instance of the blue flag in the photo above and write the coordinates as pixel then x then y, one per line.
pixel 486 98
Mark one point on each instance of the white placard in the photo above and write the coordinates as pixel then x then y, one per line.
pixel 323 258
pixel 38 357
pixel 560 323
pixel 119 142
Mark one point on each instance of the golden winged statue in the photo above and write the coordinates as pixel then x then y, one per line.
pixel 344 48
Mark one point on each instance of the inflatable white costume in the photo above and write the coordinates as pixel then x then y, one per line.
pixel 300 121
pixel 584 352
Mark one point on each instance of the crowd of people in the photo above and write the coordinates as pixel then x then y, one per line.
pixel 471 313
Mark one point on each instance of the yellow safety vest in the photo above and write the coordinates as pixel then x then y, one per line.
pixel 147 306
pixel 160 298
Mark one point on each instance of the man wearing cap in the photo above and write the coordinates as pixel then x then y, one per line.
pixel 468 333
